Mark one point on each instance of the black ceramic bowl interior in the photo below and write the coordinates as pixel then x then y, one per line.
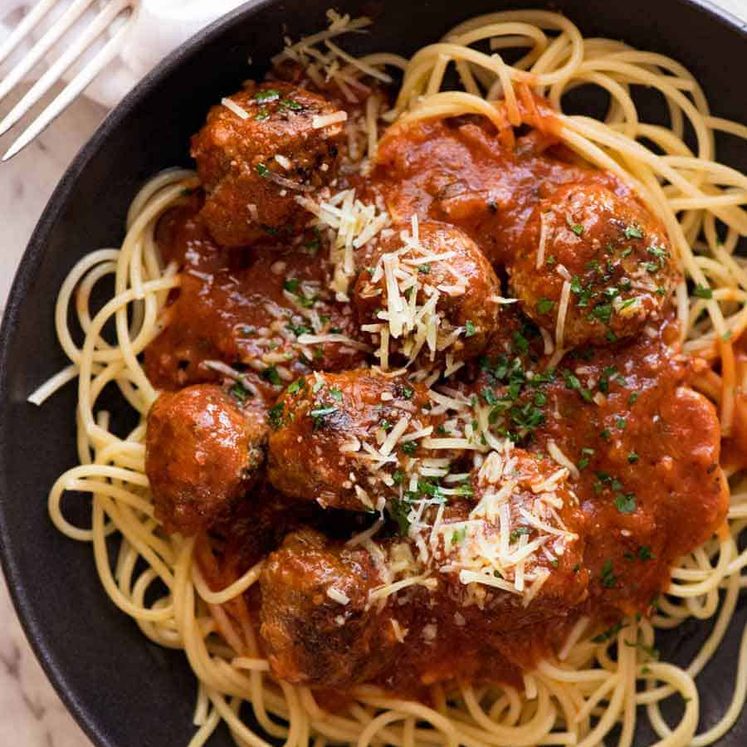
pixel 123 690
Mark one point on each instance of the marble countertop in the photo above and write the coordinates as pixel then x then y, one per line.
pixel 31 714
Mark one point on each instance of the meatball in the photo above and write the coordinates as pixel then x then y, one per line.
pixel 604 253
pixel 202 454
pixel 340 439
pixel 455 288
pixel 316 623
pixel 257 156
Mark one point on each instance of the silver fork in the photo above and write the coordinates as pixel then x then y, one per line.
pixel 109 14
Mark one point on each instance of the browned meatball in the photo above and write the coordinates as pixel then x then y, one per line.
pixel 202 454
pixel 254 163
pixel 339 439
pixel 316 623
pixel 456 290
pixel 609 252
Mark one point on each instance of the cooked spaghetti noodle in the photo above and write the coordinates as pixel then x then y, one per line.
pixel 595 685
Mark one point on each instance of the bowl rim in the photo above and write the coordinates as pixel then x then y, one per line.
pixel 32 256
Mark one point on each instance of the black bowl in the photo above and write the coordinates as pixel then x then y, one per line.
pixel 122 689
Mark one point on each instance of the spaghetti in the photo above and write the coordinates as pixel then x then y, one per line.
pixel 594 686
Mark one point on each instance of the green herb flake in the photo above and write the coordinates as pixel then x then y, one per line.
pixel 271 374
pixel 608 634
pixel 644 552
pixel 319 414
pixel 400 512
pixel 633 232
pixel 469 329
pixel 518 532
pixel 296 386
pixel 294 106
pixel 577 228
pixel 702 291
pixel 607 575
pixel 275 415
pixel 545 305
pixel 239 392
pixel 458 536
pixel 262 170
pixel 625 503
pixel 269 94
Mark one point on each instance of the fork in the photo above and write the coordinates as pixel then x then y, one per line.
pixel 112 13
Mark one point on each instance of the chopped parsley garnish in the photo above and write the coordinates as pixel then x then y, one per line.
pixel 271 374
pixel 262 115
pixel 298 329
pixel 398 477
pixel 275 415
pixel 239 392
pixel 385 425
pixel 521 344
pixel 545 305
pixel 291 104
pixel 602 312
pixel 644 552
pixel 633 397
pixel 400 511
pixel 650 651
pixel 608 634
pixel 633 232
pixel 336 393
pixel 625 503
pixel 319 414
pixel 291 285
pixel 409 447
pixel 518 532
pixel 407 392
pixel 269 94
pixel 659 252
pixel 632 457
pixel 296 386
pixel 425 268
pixel 469 329
pixel 458 536
pixel 587 453
pixel 572 382
pixel 577 228
pixel 262 170
pixel 702 291
pixel 607 575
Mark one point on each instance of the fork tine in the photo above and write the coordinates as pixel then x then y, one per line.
pixel 72 90
pixel 60 26
pixel 66 59
pixel 26 25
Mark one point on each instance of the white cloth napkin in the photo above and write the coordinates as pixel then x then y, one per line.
pixel 158 27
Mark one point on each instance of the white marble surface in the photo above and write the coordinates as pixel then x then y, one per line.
pixel 31 714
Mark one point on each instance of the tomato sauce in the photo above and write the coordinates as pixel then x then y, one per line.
pixel 646 446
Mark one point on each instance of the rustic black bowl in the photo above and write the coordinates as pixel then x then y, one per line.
pixel 123 690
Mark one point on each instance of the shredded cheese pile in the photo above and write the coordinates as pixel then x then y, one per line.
pixel 411 320
pixel 511 536
pixel 350 225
